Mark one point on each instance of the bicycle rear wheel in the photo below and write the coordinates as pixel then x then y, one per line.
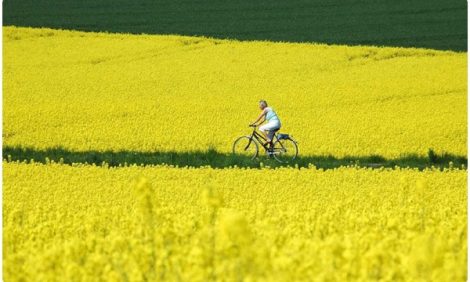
pixel 245 146
pixel 285 150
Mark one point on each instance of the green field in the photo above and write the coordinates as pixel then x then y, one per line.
pixel 420 23
pixel 216 159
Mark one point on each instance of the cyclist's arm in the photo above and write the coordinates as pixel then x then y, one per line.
pixel 262 115
pixel 264 119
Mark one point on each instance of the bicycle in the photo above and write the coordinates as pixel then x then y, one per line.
pixel 282 146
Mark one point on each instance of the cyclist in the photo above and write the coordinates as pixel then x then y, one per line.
pixel 273 123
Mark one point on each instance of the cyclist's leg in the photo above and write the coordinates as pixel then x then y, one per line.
pixel 263 129
pixel 271 135
pixel 269 129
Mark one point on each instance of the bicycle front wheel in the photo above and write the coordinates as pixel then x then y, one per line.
pixel 285 150
pixel 246 147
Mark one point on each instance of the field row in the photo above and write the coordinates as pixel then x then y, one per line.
pixel 142 93
pixel 425 23
pixel 149 223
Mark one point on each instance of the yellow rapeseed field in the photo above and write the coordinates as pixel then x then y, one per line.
pixel 92 92
pixel 97 91
pixel 89 223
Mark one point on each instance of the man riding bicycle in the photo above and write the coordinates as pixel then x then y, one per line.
pixel 284 148
pixel 273 122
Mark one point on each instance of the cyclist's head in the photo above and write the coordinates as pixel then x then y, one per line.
pixel 263 104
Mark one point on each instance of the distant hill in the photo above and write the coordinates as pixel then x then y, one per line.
pixel 433 24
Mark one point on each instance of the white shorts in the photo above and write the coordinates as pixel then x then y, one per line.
pixel 270 126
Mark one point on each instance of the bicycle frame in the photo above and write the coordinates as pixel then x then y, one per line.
pixel 262 140
pixel 275 149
